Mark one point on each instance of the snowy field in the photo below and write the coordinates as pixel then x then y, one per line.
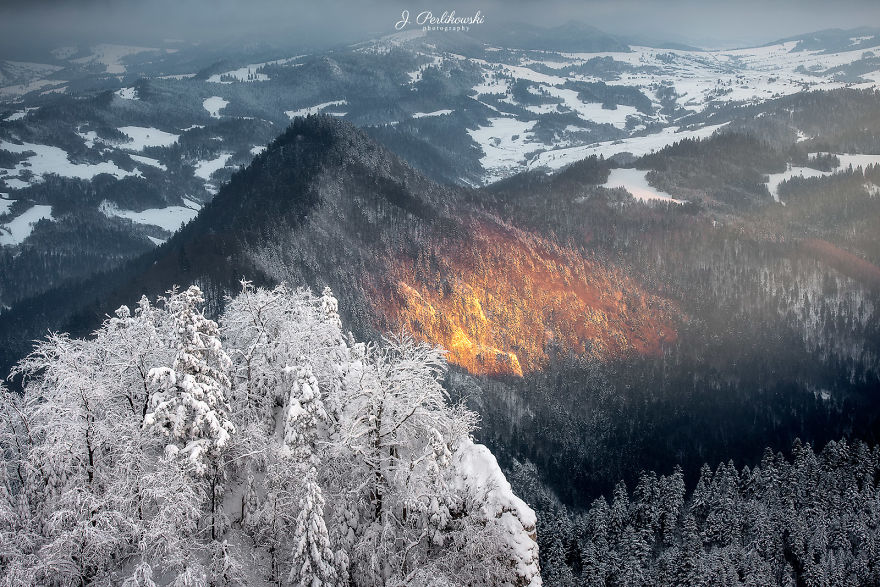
pixel 141 137
pixel 48 159
pixel 20 114
pixel 429 114
pixel 170 218
pixel 206 168
pixel 635 181
pixel 694 80
pixel 127 94
pixel 505 143
pixel 316 109
pixel 775 179
pixel 14 232
pixel 557 158
pixel 250 73
pixel 846 159
pixel 148 161
pixel 214 105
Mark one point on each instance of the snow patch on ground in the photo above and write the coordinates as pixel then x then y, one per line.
pixel 5 204
pixel 505 143
pixel 593 111
pixel 214 105
pixel 178 76
pixel 206 168
pixel 427 114
pixel 170 218
pixel 846 159
pixel 21 227
pixel 249 73
pixel 638 146
pixel 127 94
pixel 635 181
pixel 141 137
pixel 47 159
pixel 479 476
pixel 89 138
pixel 257 149
pixel 774 179
pixel 855 159
pixel 416 76
pixel 149 161
pixel 20 114
pixel 317 109
pixel 243 74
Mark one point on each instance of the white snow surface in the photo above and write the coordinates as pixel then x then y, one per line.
pixel 434 113
pixel 638 146
pixel 127 94
pixel 505 143
pixel 316 109
pixel 19 114
pixel 89 138
pixel 478 475
pixel 592 111
pixel 846 159
pixel 856 160
pixel 170 218
pixel 21 227
pixel 249 73
pixel 635 181
pixel 774 179
pixel 47 159
pixel 206 168
pixel 149 161
pixel 696 80
pixel 214 105
pixel 5 203
pixel 141 137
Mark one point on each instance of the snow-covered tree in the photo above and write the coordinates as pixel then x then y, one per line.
pixel 189 406
pixel 313 564
pixel 336 462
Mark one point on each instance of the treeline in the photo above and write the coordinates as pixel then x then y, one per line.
pixel 808 520
pixel 726 170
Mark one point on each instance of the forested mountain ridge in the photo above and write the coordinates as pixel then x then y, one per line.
pixel 324 204
pixel 105 150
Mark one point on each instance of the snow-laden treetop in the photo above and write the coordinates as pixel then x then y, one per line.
pixel 268 448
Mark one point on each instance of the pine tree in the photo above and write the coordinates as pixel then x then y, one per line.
pixel 189 405
pixel 313 564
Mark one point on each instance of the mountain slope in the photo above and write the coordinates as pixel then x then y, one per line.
pixel 326 205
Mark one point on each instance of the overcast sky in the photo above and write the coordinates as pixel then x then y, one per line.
pixel 707 23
